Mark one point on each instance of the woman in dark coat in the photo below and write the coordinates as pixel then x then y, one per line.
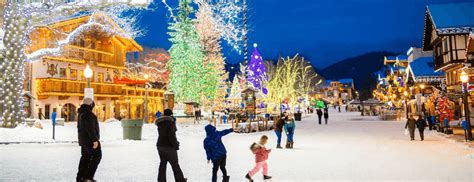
pixel 411 125
pixel 320 115
pixel 279 128
pixel 326 115
pixel 421 125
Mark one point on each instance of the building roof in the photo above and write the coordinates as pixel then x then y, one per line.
pixel 346 81
pixel 424 66
pixel 328 82
pixel 454 18
pixel 454 15
pixel 402 58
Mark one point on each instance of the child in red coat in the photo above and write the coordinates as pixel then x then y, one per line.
pixel 261 156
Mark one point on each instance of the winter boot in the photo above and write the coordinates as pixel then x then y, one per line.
pixel 291 145
pixel 287 145
pixel 248 177
pixel 265 177
pixel 225 179
pixel 279 146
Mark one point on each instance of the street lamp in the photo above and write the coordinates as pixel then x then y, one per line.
pixel 464 79
pixel 145 107
pixel 422 87
pixel 88 75
pixel 405 93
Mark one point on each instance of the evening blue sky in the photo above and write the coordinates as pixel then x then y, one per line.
pixel 324 31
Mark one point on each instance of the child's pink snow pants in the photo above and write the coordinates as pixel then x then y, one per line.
pixel 257 168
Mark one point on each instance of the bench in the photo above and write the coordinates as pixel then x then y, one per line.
pixel 30 122
pixel 60 121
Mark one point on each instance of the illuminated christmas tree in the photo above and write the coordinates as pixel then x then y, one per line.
pixel 235 86
pixel 443 109
pixel 256 70
pixel 214 76
pixel 186 64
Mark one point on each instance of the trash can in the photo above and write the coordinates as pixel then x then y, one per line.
pixel 298 116
pixel 132 129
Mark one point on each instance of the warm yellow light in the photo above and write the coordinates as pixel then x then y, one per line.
pixel 146 76
pixel 422 86
pixel 88 72
pixel 394 96
pixel 464 77
pixel 405 93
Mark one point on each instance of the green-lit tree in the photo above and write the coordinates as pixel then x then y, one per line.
pixel 213 77
pixel 186 64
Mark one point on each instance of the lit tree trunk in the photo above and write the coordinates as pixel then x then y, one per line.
pixel 12 66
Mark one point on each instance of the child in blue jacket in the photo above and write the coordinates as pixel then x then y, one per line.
pixel 215 151
pixel 289 130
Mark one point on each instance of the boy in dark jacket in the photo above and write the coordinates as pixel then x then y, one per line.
pixel 215 151
pixel 421 125
pixel 89 136
pixel 168 147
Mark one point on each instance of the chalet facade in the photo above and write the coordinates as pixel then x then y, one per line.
pixel 446 33
pixel 56 82
pixel 339 91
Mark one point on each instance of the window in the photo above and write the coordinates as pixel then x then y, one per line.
pixel 73 75
pixel 62 73
pixel 100 77
pixel 81 75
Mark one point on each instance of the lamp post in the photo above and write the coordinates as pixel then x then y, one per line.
pixel 88 75
pixel 464 79
pixel 405 93
pixel 422 87
pixel 145 107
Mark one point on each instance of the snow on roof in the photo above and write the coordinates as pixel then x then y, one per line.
pixel 424 67
pixel 454 17
pixel 328 82
pixel 346 81
pixel 402 57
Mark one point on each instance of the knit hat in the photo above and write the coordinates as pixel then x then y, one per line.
pixel 87 101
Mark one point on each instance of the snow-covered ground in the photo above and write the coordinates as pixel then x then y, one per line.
pixel 350 148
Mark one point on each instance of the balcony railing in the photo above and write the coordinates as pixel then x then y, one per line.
pixel 62 87
pixel 76 52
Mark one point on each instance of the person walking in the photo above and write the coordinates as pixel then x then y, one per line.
pixel 421 125
pixel 320 115
pixel 290 131
pixel 88 135
pixel 261 156
pixel 326 115
pixel 196 115
pixel 215 151
pixel 168 146
pixel 279 128
pixel 411 125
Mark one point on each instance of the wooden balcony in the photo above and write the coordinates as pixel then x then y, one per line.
pixel 80 55
pixel 61 87
pixel 97 56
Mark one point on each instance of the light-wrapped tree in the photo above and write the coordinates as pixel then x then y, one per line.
pixel 186 63
pixel 213 79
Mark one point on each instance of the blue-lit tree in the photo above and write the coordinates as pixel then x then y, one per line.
pixel 257 75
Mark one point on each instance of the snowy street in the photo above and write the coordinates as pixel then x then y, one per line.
pixel 349 148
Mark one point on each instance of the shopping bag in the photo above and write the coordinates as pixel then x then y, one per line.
pixel 406 132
